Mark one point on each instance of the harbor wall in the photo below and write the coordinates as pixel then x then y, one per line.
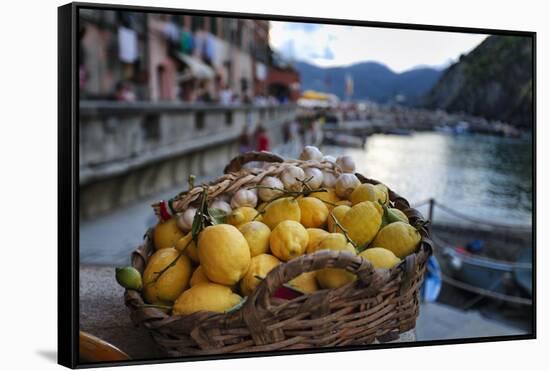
pixel 129 151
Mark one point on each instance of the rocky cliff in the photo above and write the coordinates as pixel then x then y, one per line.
pixel 494 81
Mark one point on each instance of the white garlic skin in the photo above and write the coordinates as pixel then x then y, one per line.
pixel 268 194
pixel 346 163
pixel 311 153
pixel 346 184
pixel 316 176
pixel 185 220
pixel 244 197
pixel 329 179
pixel 222 205
pixel 290 177
pixel 329 158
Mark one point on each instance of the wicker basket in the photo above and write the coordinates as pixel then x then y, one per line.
pixel 379 305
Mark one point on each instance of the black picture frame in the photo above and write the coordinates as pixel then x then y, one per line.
pixel 68 193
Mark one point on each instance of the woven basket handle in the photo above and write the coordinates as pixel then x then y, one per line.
pixel 284 273
pixel 238 162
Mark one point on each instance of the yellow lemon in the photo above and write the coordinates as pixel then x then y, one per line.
pixel 380 257
pixel 329 197
pixel 198 276
pixel 331 278
pixel 209 297
pixel 243 214
pixel 343 202
pixel 187 243
pixel 166 234
pixel 257 235
pixel 313 212
pixel 279 210
pixel 259 267
pixel 223 253
pixel 338 212
pixel 400 238
pixel 315 236
pixel 288 240
pixel 368 192
pixel 383 190
pixel 171 283
pixel 305 282
pixel 363 221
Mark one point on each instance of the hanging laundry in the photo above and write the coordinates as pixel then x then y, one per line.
pixel 186 42
pixel 127 45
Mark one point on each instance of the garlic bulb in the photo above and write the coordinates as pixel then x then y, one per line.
pixel 316 176
pixel 291 177
pixel 329 158
pixel 185 219
pixel 346 184
pixel 329 179
pixel 222 205
pixel 311 153
pixel 346 163
pixel 268 194
pixel 244 197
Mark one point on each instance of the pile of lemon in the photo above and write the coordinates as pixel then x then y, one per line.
pixel 272 224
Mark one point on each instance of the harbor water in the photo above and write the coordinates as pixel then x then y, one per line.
pixel 487 177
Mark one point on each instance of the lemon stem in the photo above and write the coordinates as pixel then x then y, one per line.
pixel 172 263
pixel 344 232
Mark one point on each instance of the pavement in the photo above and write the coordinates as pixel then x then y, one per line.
pixel 103 314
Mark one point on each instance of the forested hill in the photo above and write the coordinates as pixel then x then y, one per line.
pixel 494 81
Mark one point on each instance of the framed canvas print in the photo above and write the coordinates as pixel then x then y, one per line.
pixel 241 185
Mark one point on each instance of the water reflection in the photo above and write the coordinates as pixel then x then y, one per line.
pixel 487 177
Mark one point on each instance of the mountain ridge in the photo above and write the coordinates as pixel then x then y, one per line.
pixel 372 80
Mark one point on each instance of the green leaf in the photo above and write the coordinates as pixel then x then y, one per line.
pixel 237 306
pixel 217 216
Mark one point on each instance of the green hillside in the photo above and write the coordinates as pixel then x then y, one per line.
pixel 493 81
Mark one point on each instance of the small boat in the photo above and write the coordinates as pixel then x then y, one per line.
pixel 398 131
pixel 344 140
pixel 486 276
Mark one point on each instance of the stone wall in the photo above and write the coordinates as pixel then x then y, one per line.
pixel 129 151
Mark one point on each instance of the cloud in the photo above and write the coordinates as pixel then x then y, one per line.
pixel 334 45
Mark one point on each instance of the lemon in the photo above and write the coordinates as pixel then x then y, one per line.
pixel 198 276
pixel 243 214
pixel 338 212
pixel 380 257
pixel 223 253
pixel 260 266
pixel 331 278
pixel 166 234
pixel 344 202
pixel 190 247
pixel 363 221
pixel 279 210
pixel 313 212
pixel 315 236
pixel 204 296
pixel 172 282
pixel 288 240
pixel 368 192
pixel 329 197
pixel 257 235
pixel 382 189
pixel 401 238
pixel 305 282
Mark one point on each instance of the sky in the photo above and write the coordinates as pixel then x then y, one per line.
pixel 401 50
